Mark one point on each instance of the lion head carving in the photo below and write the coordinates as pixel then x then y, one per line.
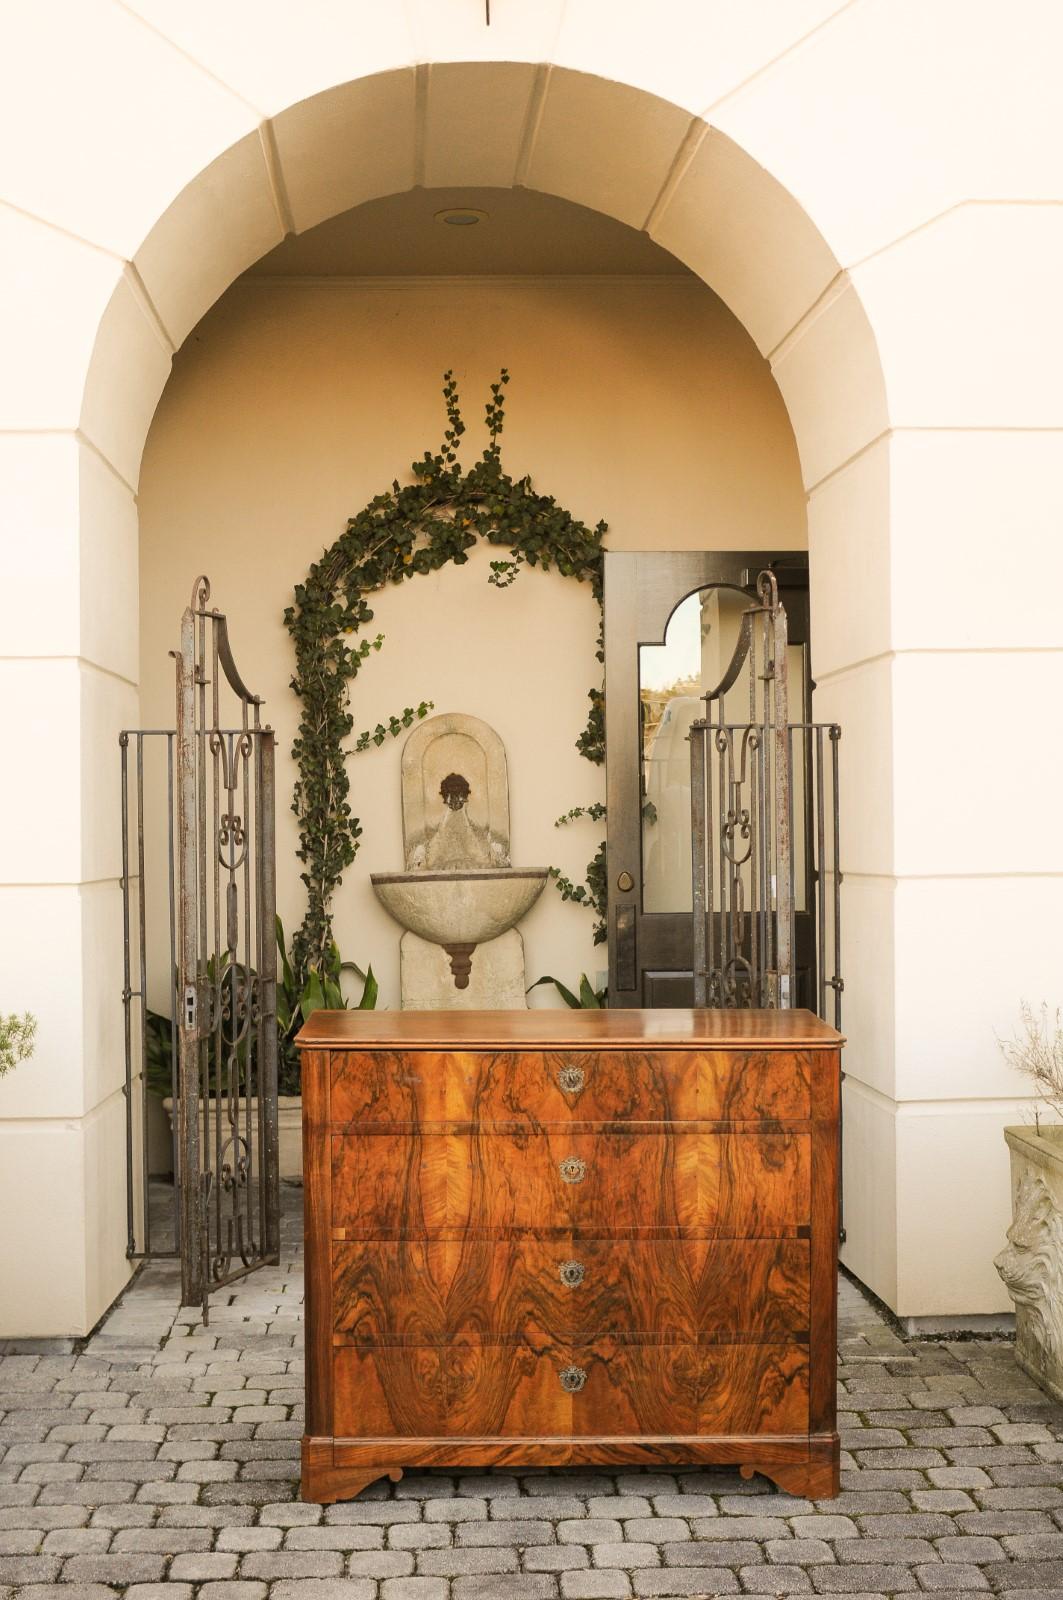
pixel 1031 1264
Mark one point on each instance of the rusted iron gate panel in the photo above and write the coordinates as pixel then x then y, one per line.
pixel 765 832
pixel 220 989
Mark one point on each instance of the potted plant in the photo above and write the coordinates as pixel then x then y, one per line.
pixel 1031 1263
pixel 321 990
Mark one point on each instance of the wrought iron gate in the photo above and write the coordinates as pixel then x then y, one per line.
pixel 764 823
pixel 198 842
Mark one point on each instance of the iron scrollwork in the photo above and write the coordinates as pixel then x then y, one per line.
pixel 226 880
pixel 764 832
pixel 213 837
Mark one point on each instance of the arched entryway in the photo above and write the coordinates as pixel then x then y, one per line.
pixel 129 288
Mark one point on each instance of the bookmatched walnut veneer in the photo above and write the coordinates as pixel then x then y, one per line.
pixel 554 1237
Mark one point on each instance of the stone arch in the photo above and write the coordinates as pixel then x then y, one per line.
pixel 603 144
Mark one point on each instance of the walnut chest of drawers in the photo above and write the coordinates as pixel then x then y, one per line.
pixel 548 1237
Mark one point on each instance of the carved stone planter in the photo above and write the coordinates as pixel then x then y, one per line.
pixel 1031 1264
pixel 289 1133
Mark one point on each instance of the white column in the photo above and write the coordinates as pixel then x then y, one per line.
pixel 67 682
pixel 946 631
pixel 104 135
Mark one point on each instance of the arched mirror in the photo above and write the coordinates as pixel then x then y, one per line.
pixel 674 677
pixel 672 622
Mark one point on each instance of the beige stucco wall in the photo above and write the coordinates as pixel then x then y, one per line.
pixel 643 402
pixel 873 187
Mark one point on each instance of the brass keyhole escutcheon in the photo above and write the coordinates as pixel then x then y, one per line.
pixel 572 1169
pixel 573 1379
pixel 571 1079
pixel 625 883
pixel 571 1273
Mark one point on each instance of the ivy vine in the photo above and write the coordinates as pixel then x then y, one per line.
pixel 411 529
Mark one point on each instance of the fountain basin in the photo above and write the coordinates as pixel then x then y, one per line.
pixel 466 907
pixel 458 890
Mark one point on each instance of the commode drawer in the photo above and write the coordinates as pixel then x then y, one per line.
pixel 607 1389
pixel 609 1182
pixel 542 1087
pixel 424 1292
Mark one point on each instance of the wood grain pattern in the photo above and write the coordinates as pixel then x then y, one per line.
pixel 633 1184
pixel 755 1085
pixel 826 1155
pixel 487 1292
pixel 646 1029
pixel 667 1183
pixel 818 1478
pixel 800 1465
pixel 325 1482
pixel 627 1388
pixel 390 1391
pixel 389 1185
pixel 560 1450
pixel 396 1291
pixel 529 1088
pixel 535 1088
pixel 317 1236
pixel 392 1087
pixel 703 1222
pixel 754 1389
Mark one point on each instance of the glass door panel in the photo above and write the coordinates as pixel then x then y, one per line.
pixel 674 677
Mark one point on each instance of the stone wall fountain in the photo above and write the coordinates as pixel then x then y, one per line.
pixel 459 899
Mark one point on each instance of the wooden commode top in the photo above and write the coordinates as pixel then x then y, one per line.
pixel 574 1030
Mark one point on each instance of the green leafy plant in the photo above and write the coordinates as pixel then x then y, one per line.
pixel 320 990
pixel 408 530
pixel 591 742
pixel 586 999
pixel 395 725
pixel 17 1036
pixel 594 891
pixel 594 813
pixel 160 1036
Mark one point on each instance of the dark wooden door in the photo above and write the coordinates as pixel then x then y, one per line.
pixel 671 620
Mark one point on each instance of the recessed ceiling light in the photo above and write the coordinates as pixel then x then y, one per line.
pixel 461 216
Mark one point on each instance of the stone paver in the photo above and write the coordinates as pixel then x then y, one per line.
pixel 159 1460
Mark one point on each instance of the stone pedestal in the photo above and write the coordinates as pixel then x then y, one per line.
pixel 1031 1264
pixel 496 981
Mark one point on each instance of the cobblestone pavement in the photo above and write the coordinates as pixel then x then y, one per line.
pixel 161 1461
